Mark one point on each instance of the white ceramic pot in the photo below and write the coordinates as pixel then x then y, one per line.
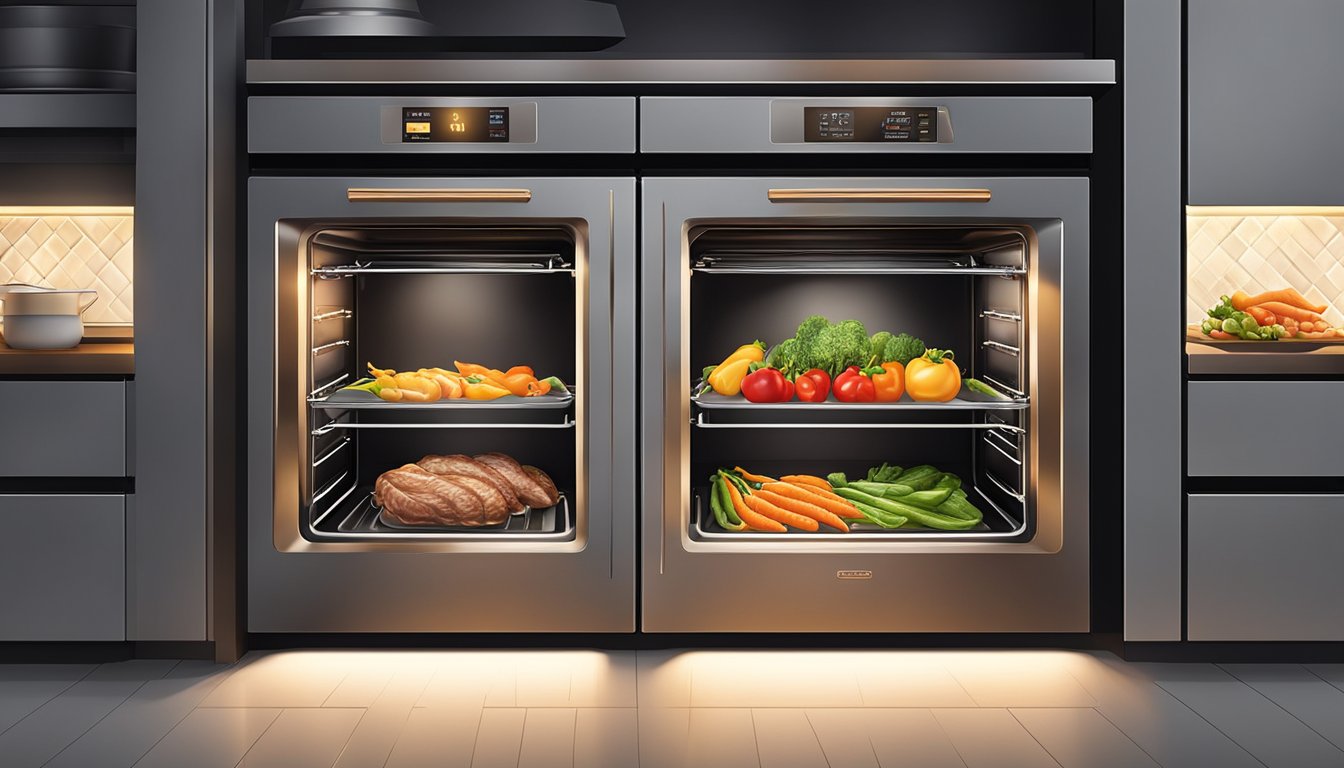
pixel 44 318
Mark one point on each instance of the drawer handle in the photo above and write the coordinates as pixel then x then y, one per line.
pixel 879 195
pixel 465 195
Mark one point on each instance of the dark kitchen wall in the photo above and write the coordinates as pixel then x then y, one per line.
pixel 806 28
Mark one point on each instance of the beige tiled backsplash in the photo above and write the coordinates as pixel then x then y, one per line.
pixel 1226 253
pixel 73 251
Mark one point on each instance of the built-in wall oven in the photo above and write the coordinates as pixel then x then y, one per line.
pixel 993 267
pixel 450 278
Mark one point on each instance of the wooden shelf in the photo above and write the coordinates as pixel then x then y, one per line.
pixel 91 359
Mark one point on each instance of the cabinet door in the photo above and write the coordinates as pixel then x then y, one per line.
pixel 1266 567
pixel 63 429
pixel 1266 105
pixel 63 566
pixel 1228 418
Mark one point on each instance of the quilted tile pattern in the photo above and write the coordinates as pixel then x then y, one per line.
pixel 74 252
pixel 1263 253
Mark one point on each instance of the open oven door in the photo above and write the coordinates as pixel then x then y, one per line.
pixel 994 268
pixel 411 273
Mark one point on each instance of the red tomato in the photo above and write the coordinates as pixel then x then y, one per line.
pixel 767 385
pixel 853 387
pixel 813 386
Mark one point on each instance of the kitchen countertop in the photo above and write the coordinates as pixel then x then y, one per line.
pixel 104 352
pixel 1053 72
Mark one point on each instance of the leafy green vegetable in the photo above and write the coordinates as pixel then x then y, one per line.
pixel 887 473
pixel 784 356
pixel 1223 310
pixel 902 349
pixel 837 479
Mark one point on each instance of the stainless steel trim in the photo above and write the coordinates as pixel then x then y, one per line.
pixel 999 385
pixel 337 314
pixel 431 195
pixel 994 314
pixel 319 349
pixel 869 195
pixel 1000 449
pixel 649 71
pixel 344 443
pixel 1021 498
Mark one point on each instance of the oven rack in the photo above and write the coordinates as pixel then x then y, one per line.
pixel 451 264
pixel 340 400
pixel 356 517
pixel 997 525
pixel 848 262
pixel 966 400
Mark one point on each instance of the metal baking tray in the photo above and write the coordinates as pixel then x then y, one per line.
pixel 359 400
pixel 967 399
pixel 366 521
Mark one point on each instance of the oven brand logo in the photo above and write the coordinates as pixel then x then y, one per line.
pixel 853 574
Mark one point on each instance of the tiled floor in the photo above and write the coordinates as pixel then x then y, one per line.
pixel 588 709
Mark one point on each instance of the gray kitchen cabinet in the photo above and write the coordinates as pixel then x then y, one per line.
pixel 1300 418
pixel 1266 108
pixel 63 429
pixel 1266 567
pixel 62 561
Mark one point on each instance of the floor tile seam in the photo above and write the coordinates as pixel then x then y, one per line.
pixel 338 685
pixel 260 736
pixel 1201 716
pixel 480 718
pixel 1323 679
pixel 52 698
pixel 1266 697
pixel 95 723
pixel 1034 738
pixel 755 736
pixel 1132 740
pixel 948 734
pixel 815 736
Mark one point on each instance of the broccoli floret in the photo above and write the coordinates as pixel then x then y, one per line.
pixel 805 350
pixel 784 355
pixel 902 349
pixel 878 343
pixel 841 346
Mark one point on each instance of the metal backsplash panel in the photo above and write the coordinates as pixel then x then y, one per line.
pixel 68 251
pixel 1264 253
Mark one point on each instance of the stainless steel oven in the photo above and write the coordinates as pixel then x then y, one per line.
pixel 994 267
pixel 351 272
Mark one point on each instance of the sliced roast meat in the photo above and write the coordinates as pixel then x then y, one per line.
pixel 495 508
pixel 546 484
pixel 412 496
pixel 531 492
pixel 458 464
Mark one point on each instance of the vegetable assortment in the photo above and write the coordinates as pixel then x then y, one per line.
pixel 1268 316
pixel 826 360
pixel 469 381
pixel 888 497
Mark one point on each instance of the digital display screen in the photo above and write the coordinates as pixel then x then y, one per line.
pixel 465 124
pixel 870 124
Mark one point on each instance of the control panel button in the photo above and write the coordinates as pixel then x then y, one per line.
pixel 870 124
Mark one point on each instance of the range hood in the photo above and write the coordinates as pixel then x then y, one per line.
pixel 353 28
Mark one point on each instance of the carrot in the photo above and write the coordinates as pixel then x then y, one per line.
pixel 805 508
pixel 749 516
pixel 753 478
pixel 1240 300
pixel 824 499
pixel 1288 310
pixel 812 480
pixel 1262 316
pixel 765 508
pixel 1224 335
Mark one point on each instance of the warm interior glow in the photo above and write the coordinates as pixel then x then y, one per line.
pixel 67 210
pixel 75 247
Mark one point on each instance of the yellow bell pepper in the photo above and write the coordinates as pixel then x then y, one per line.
pixel 481 389
pixel 726 378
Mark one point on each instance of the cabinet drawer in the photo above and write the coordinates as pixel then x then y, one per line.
pixel 63 429
pixel 63 567
pixel 1266 567
pixel 1233 423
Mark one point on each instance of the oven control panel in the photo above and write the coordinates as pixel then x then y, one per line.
pixel 870 124
pixel 470 124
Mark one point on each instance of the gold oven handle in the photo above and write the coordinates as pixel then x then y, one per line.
pixel 427 195
pixel 879 195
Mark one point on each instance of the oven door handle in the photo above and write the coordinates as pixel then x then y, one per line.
pixel 431 195
pixel 838 195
